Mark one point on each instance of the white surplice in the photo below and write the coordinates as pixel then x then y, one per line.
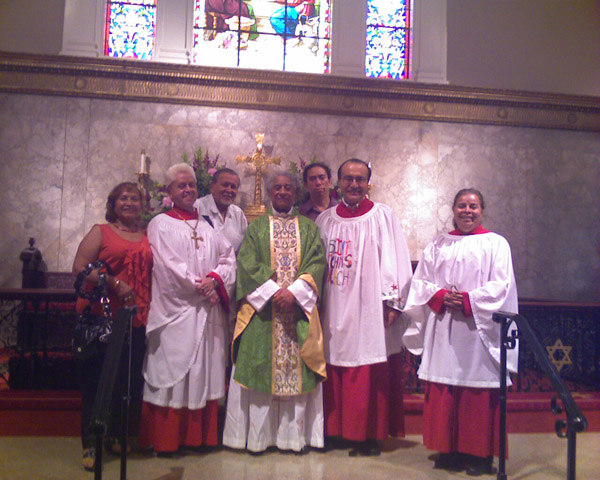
pixel 187 336
pixel 367 264
pixel 459 350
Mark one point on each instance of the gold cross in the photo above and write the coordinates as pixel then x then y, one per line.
pixel 259 162
pixel 196 237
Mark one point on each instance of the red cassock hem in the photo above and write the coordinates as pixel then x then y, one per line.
pixel 166 429
pixel 364 402
pixel 461 419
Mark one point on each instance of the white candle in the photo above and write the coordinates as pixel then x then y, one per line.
pixel 143 169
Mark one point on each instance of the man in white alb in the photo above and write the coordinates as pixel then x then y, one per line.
pixel 365 286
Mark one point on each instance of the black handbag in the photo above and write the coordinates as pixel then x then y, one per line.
pixel 92 331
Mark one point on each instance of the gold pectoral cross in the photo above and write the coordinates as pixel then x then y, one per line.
pixel 196 237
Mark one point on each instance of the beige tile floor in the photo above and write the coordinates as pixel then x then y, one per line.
pixel 533 457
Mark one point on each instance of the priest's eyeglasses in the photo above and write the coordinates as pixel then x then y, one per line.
pixel 358 179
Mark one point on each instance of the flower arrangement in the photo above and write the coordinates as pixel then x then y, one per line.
pixel 297 168
pixel 204 167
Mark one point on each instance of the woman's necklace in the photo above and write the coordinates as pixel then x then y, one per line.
pixel 124 229
pixel 195 235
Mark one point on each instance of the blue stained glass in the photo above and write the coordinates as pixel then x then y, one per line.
pixel 386 53
pixel 136 2
pixel 388 27
pixel 131 29
pixel 387 13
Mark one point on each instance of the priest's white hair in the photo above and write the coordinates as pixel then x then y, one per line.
pixel 282 173
pixel 178 168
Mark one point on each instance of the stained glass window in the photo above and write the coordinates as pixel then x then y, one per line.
pixel 388 30
pixel 290 35
pixel 130 29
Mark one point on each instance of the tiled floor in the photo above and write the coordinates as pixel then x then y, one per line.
pixel 533 457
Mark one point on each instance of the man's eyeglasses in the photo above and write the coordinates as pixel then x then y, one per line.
pixel 350 179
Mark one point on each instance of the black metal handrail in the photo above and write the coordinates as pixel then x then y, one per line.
pixel 575 422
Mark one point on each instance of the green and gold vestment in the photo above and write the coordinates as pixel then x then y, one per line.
pixel 277 352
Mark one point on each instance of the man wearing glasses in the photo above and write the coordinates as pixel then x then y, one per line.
pixel 365 286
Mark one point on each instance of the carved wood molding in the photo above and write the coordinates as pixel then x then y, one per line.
pixel 292 92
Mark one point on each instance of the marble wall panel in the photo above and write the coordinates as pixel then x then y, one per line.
pixel 77 139
pixel 60 157
pixel 32 141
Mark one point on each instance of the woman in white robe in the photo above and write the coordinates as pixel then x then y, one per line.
pixel 463 278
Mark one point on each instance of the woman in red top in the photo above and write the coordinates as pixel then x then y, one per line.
pixel 123 246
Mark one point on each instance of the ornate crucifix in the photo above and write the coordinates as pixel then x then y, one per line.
pixel 258 162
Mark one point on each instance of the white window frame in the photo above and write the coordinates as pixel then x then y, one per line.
pixel 83 34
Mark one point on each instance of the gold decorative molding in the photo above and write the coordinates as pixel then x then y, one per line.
pixel 293 92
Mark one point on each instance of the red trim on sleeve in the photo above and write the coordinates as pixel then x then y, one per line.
pixel 436 303
pixel 223 297
pixel 467 310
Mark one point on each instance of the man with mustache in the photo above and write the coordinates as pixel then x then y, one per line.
pixel 365 286
pixel 219 207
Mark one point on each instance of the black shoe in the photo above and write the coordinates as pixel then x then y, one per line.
pixel 477 466
pixel 200 449
pixel 303 451
pixel 336 443
pixel 368 448
pixel 451 462
pixel 166 454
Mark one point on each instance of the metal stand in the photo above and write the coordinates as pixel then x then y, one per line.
pixel 104 394
pixel 508 343
pixel 575 421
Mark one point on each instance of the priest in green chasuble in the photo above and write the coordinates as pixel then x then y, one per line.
pixel 275 396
